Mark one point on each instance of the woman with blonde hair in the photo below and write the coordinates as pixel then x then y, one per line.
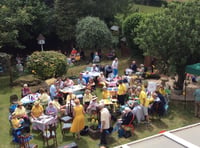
pixel 79 122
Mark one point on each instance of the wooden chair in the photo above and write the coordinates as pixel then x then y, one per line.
pixel 24 140
pixel 50 133
pixel 65 124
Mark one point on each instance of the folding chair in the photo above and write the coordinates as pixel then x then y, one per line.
pixel 130 125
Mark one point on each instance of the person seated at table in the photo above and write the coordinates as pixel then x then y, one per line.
pixel 19 123
pixel 86 76
pixel 132 91
pixel 81 80
pixel 93 105
pixel 108 70
pixel 44 98
pixel 60 83
pixel 102 80
pixel 20 111
pixel 25 90
pixel 77 57
pixel 94 68
pixel 16 122
pixel 70 98
pixel 68 82
pixel 74 51
pixel 51 109
pixel 87 98
pixel 133 66
pixel 140 70
pixel 91 84
pixel 60 108
pixel 37 110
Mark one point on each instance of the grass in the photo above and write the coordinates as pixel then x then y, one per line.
pixel 145 9
pixel 177 116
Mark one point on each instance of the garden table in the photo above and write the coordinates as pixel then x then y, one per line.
pixel 41 122
pixel 72 89
pixel 31 98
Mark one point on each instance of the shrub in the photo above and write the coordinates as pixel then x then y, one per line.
pixel 47 64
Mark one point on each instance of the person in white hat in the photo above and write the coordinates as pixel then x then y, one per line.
pixel 25 90
pixel 37 110
pixel 93 105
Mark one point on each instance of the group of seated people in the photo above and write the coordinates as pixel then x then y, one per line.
pixel 133 98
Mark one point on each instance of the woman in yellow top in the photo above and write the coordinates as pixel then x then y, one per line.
pixel 105 93
pixel 37 110
pixel 79 122
pixel 16 123
pixel 87 98
pixel 20 111
pixel 121 93
pixel 70 98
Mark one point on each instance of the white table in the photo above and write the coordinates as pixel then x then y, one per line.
pixel 72 89
pixel 31 98
pixel 92 74
pixel 41 122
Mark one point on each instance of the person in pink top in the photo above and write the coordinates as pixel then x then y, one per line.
pixel 68 82
pixel 25 90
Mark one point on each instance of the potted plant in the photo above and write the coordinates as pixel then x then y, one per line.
pixel 94 131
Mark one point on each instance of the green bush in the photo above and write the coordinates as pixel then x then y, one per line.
pixel 47 64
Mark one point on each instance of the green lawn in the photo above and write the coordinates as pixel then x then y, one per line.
pixel 145 9
pixel 177 116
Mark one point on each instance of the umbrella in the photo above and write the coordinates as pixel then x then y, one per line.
pixel 193 69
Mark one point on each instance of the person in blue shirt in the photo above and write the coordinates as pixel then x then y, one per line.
pixel 53 90
pixel 81 80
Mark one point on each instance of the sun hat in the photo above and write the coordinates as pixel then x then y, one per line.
pixel 36 102
pixel 94 98
pixel 25 85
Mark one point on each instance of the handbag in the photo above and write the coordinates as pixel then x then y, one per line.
pixel 84 131
pixel 127 134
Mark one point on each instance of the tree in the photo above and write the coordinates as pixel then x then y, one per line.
pixel 68 12
pixel 22 21
pixel 129 26
pixel 92 33
pixel 173 36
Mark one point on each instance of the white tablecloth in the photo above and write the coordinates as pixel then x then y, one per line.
pixel 31 98
pixel 72 88
pixel 42 121
pixel 92 74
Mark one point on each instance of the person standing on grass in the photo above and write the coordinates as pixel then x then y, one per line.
pixel 143 102
pixel 79 119
pixel 121 93
pixel 197 102
pixel 115 67
pixel 105 123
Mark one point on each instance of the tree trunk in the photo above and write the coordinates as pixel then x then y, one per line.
pixel 181 78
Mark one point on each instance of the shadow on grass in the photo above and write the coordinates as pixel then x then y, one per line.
pixel 159 123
